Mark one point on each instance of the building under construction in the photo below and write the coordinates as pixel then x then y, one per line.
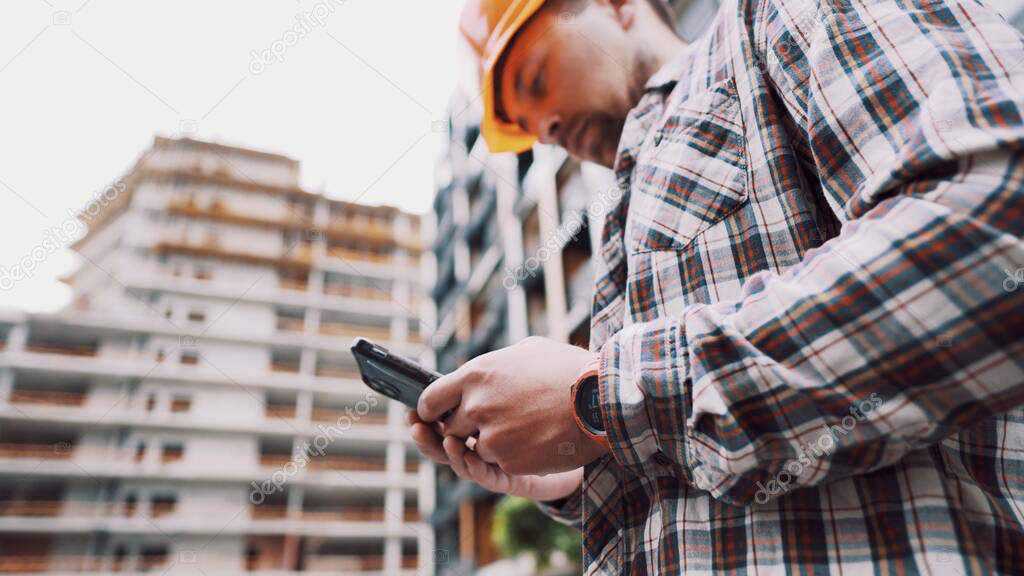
pixel 195 409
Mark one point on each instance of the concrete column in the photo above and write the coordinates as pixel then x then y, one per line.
pixel 396 461
pixel 295 496
pixel 6 384
pixel 307 361
pixel 311 321
pixel 425 550
pixel 394 508
pixel 304 406
pixel 316 282
pixel 321 213
pixel 17 337
pixel 392 555
pixel 512 247
pixel 297 445
pixel 554 275
pixel 290 556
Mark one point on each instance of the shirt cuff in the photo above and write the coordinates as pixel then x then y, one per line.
pixel 567 510
pixel 644 400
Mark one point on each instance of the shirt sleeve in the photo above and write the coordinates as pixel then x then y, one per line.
pixel 568 510
pixel 905 328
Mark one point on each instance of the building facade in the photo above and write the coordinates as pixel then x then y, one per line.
pixel 196 409
pixel 511 239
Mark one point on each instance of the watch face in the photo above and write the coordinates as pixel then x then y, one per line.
pixel 588 404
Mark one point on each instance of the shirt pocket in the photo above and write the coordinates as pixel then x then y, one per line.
pixel 692 173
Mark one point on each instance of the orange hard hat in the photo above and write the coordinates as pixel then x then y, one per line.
pixel 489 26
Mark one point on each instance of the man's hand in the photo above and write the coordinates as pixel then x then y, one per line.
pixel 467 465
pixel 517 402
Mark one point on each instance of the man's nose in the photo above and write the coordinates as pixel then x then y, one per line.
pixel 550 129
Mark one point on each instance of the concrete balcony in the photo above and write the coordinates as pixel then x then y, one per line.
pixel 347 463
pixel 62 349
pixel 284 367
pixel 283 412
pixel 297 260
pixel 345 330
pixel 357 292
pixel 292 284
pixel 284 324
pixel 334 373
pixel 48 398
pixel 294 220
pixel 57 564
pixel 67 460
pixel 335 463
pixel 275 420
pixel 58 451
pixel 381 231
pixel 54 565
pixel 289 290
pixel 348 514
pixel 79 509
pixel 43 516
pixel 352 255
pixel 337 414
pixel 22 508
pixel 327 371
pixel 346 564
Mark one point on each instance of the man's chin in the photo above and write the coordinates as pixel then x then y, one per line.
pixel 599 140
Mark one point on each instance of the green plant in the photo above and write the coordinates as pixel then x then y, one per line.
pixel 519 526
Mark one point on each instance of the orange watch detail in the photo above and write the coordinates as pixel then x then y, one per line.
pixel 591 370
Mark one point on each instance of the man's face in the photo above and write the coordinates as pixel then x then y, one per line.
pixel 571 79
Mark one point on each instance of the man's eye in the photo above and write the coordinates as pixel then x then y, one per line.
pixel 537 86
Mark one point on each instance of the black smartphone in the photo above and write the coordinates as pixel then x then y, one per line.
pixel 392 375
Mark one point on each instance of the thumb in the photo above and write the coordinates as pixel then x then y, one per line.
pixel 440 396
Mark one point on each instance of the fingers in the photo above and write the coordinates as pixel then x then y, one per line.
pixel 484 452
pixel 455 450
pixel 411 417
pixel 458 424
pixel 469 466
pixel 487 475
pixel 427 440
pixel 442 395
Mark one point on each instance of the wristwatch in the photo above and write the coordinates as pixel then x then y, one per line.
pixel 586 403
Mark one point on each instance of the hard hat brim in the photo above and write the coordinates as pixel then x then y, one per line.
pixel 501 135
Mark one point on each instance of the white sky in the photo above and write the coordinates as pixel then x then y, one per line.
pixel 86 84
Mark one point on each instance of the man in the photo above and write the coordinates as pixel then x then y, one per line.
pixel 805 354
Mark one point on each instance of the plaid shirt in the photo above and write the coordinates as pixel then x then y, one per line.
pixel 807 303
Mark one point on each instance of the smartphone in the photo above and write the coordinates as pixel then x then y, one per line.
pixel 392 375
